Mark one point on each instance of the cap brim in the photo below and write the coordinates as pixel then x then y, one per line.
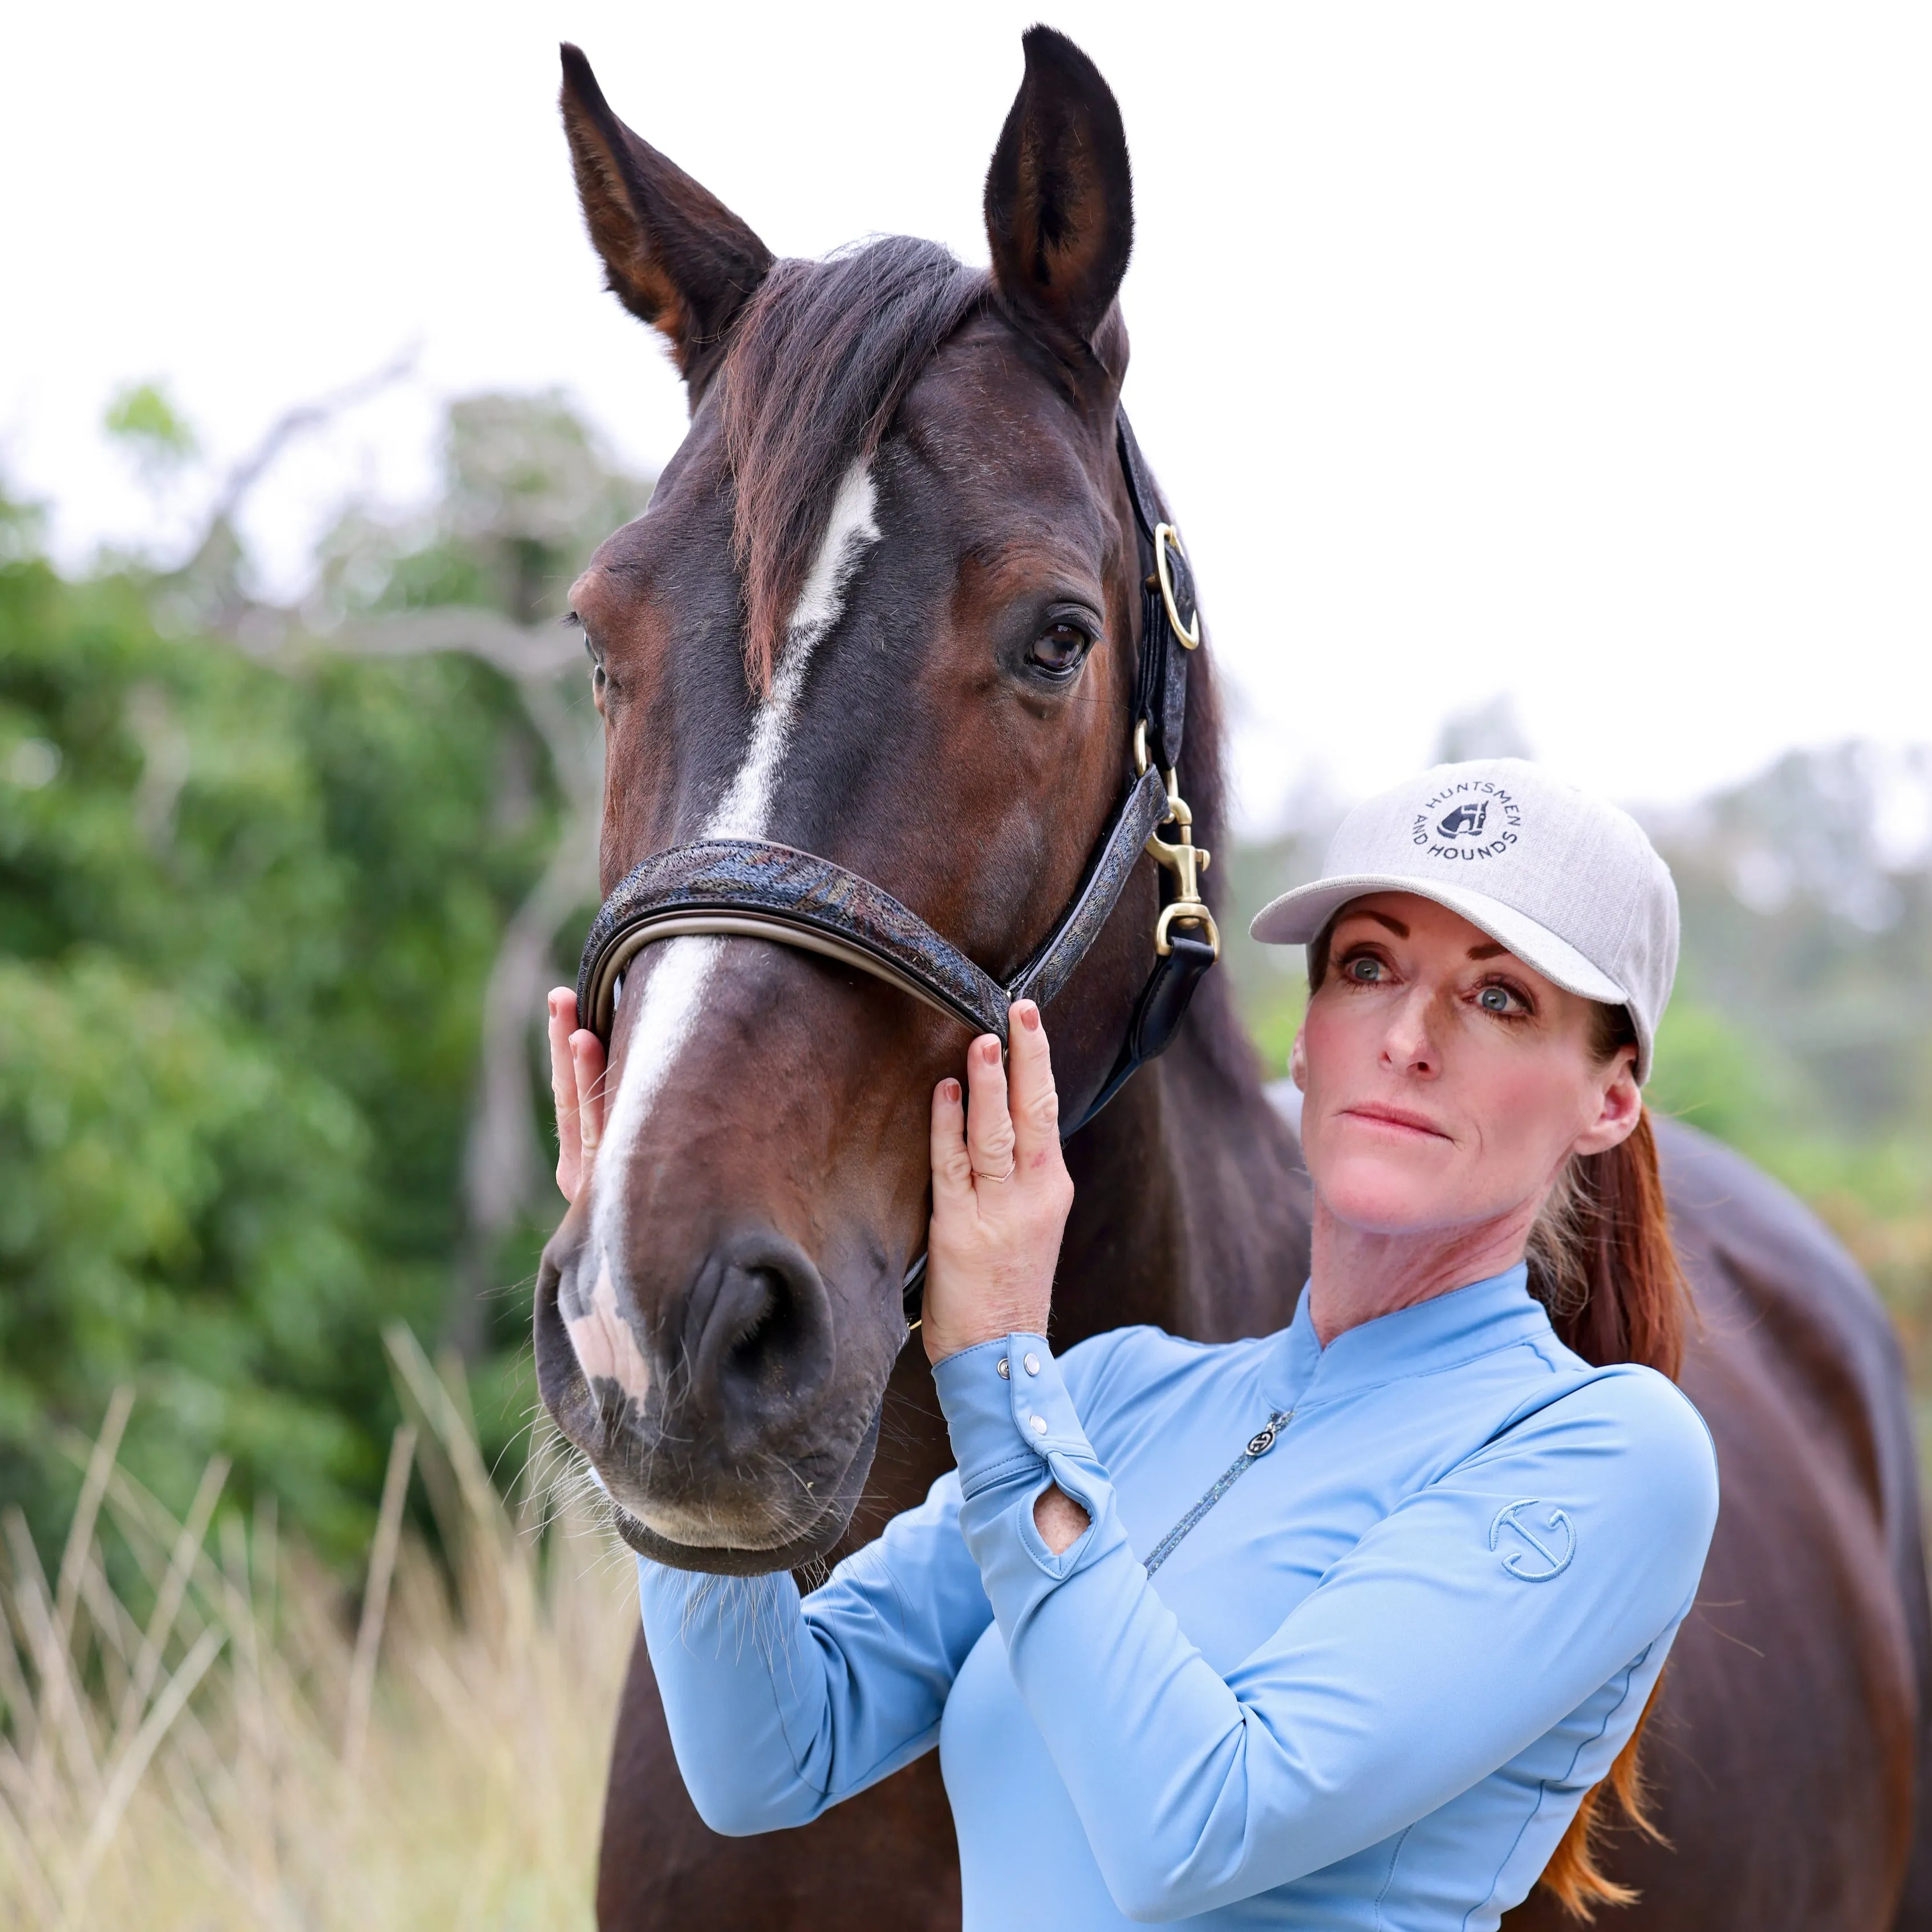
pixel 1296 918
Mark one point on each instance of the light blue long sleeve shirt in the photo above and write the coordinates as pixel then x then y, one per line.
pixel 1369 1689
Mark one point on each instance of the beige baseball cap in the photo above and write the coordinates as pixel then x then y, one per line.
pixel 1569 884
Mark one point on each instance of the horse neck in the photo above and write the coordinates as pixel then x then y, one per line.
pixel 1191 1204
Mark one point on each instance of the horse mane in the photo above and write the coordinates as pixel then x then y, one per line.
pixel 818 365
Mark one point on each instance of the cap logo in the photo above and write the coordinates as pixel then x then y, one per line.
pixel 1477 819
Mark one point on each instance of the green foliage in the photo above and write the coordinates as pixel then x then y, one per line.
pixel 1712 1074
pixel 1798 924
pixel 528 493
pixel 248 908
pixel 1270 982
pixel 143 421
pixel 181 1211
pixel 247 913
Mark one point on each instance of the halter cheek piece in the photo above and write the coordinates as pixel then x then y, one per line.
pixel 751 888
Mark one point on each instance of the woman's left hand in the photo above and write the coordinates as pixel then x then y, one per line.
pixel 576 1085
pixel 1000 1194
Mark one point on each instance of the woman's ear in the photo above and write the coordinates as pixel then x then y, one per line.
pixel 1621 1107
pixel 1297 1059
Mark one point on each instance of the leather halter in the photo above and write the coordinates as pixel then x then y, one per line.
pixel 753 888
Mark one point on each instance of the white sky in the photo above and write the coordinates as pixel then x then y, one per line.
pixel 1584 354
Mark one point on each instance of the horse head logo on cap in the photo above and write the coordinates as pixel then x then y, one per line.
pixel 1467 818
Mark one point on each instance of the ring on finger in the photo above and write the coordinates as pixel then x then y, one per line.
pixel 1012 1168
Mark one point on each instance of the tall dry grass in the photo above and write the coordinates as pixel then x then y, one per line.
pixel 243 1755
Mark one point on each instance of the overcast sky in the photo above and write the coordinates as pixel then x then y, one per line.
pixel 1581 354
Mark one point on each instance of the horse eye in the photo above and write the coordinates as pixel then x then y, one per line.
pixel 1060 649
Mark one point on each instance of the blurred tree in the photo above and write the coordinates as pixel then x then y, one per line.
pixel 528 493
pixel 1802 1027
pixel 144 421
pixel 1270 981
pixel 1808 901
pixel 255 905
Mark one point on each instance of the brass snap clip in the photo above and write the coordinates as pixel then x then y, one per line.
pixel 1186 861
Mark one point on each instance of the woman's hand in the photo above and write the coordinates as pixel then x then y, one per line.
pixel 1000 1193
pixel 576 1084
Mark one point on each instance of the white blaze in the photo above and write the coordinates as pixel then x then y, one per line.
pixel 673 990
pixel 746 809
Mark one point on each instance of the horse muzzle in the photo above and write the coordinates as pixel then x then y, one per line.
pixel 717 1430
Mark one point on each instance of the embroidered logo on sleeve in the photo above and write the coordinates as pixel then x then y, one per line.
pixel 1535 1541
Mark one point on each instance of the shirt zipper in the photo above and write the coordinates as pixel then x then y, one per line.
pixel 1258 1444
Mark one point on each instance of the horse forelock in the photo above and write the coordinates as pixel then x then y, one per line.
pixel 817 367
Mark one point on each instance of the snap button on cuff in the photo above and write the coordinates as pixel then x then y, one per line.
pixel 1039 1424
pixel 1006 1373
pixel 1033 1365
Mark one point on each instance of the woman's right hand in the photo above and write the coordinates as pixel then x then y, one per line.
pixel 576 1084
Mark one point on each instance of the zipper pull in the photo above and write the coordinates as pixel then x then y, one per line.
pixel 1260 1443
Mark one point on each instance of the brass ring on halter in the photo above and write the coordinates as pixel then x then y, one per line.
pixel 1164 535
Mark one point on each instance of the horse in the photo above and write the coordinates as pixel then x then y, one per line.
pixel 885 607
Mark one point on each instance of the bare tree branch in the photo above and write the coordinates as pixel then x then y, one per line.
pixel 524 652
pixel 299 421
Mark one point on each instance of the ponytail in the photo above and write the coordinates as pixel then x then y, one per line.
pixel 1602 1262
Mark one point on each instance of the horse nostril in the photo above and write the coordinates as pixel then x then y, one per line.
pixel 766 1329
pixel 760 1339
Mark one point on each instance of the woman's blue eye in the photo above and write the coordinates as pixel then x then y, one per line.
pixel 1494 999
pixel 1365 970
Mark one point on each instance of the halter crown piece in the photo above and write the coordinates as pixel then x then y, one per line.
pixel 751 888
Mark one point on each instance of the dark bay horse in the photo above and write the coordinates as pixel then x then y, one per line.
pixel 883 608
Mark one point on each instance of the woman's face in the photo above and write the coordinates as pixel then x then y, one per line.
pixel 1446 1082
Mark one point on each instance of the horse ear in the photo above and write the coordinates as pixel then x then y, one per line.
pixel 674 255
pixel 1060 203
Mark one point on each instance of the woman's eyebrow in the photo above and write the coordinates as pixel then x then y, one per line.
pixel 1486 952
pixel 1395 925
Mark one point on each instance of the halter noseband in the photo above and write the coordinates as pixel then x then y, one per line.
pixel 752 888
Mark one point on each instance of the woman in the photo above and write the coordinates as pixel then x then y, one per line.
pixel 1335 1628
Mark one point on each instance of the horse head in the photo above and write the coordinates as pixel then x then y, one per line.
pixel 882 608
